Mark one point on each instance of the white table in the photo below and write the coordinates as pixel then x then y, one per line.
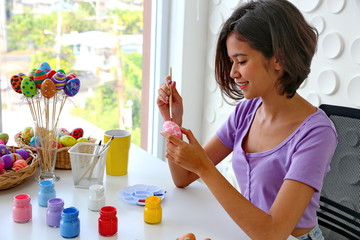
pixel 192 209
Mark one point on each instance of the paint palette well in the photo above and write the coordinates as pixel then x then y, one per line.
pixel 137 194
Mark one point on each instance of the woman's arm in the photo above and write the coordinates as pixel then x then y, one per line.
pixel 216 152
pixel 287 209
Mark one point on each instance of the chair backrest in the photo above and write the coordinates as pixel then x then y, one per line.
pixel 339 213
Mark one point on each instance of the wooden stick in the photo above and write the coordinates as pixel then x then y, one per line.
pixel 170 97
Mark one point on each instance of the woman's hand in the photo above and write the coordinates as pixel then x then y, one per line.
pixel 163 102
pixel 190 156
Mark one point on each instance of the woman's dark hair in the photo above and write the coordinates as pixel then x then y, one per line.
pixel 275 28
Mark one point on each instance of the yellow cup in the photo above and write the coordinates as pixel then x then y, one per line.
pixel 118 154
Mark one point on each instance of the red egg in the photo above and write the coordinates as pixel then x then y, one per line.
pixel 77 133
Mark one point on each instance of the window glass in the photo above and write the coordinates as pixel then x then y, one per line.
pixel 100 41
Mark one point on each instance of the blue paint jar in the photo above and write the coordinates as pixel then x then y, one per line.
pixel 53 213
pixel 70 223
pixel 46 192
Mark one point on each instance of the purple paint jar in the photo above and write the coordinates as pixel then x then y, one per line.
pixel 22 208
pixel 53 213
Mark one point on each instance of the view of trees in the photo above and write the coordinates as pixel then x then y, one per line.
pixel 37 32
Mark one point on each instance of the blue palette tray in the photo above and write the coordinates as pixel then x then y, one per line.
pixel 137 194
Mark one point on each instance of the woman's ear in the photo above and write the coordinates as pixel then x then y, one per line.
pixel 277 65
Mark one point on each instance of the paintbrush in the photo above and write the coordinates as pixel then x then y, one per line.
pixel 170 97
pixel 95 159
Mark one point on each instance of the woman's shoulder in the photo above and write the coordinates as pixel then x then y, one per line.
pixel 248 105
pixel 317 120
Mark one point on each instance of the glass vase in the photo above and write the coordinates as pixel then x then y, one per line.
pixel 46 143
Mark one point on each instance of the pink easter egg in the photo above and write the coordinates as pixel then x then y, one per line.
pixel 172 128
pixel 2 164
pixel 19 164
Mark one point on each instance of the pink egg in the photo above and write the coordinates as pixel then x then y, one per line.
pixel 2 164
pixel 172 128
pixel 19 164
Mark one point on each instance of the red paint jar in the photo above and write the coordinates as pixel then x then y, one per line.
pixel 108 222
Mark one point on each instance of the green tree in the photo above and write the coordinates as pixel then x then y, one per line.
pixel 132 69
pixel 130 20
pixel 67 59
pixel 101 109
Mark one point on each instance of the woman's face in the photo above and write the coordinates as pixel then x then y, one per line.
pixel 255 75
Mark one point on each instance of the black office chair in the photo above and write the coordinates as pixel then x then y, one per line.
pixel 339 213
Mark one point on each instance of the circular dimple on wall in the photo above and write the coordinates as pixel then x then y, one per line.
pixel 353 90
pixel 333 45
pixel 211 83
pixel 318 23
pixel 210 115
pixel 355 50
pixel 232 3
pixel 220 102
pixel 352 138
pixel 216 2
pixel 307 6
pixel 346 169
pixel 216 20
pixel 335 6
pixel 328 82
pixel 314 99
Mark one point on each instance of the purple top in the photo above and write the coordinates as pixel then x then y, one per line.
pixel 303 156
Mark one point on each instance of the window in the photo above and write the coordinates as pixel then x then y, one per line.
pixel 100 41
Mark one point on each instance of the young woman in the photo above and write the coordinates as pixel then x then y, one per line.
pixel 281 144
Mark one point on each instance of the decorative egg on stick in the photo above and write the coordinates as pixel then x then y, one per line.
pixel 45 67
pixel 59 79
pixel 72 87
pixel 39 77
pixel 31 73
pixel 172 128
pixel 15 82
pixel 48 88
pixel 28 87
pixel 4 138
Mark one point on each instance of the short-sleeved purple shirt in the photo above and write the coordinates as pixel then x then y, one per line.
pixel 303 156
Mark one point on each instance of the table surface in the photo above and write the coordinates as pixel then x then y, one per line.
pixel 192 209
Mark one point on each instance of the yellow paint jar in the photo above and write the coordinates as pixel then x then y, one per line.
pixel 152 210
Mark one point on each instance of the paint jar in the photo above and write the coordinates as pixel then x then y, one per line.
pixel 22 208
pixel 46 192
pixel 96 197
pixel 152 210
pixel 70 223
pixel 108 222
pixel 53 213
